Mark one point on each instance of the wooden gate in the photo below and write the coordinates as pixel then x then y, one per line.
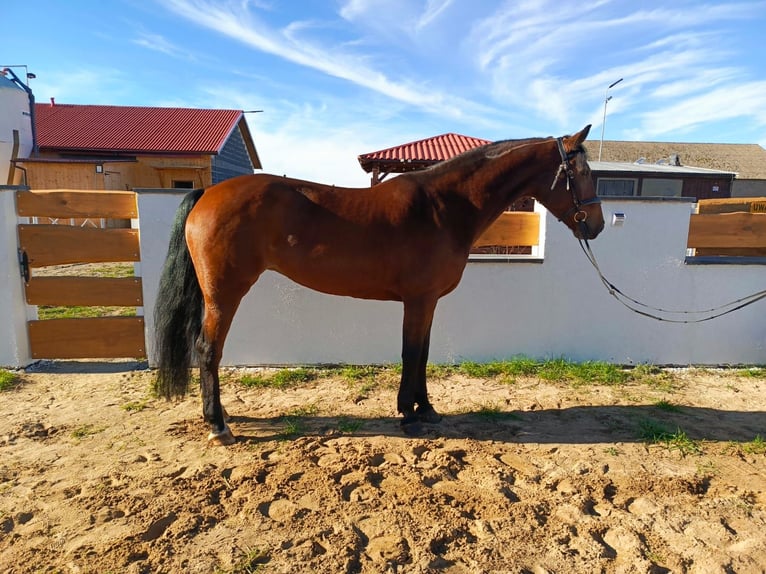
pixel 46 245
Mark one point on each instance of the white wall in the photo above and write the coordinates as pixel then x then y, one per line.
pixel 14 343
pixel 554 309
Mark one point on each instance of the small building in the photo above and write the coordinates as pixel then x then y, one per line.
pixel 747 161
pixel 621 179
pixel 127 147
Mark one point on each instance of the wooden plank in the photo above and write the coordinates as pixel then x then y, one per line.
pixel 77 204
pixel 511 229
pixel 62 244
pixel 96 338
pixel 739 230
pixel 732 205
pixel 86 291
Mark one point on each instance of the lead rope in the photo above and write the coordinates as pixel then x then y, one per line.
pixel 632 303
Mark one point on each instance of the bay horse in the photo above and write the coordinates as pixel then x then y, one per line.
pixel 406 239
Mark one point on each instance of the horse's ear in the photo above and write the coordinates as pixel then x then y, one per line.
pixel 576 140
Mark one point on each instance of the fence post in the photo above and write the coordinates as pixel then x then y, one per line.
pixel 14 342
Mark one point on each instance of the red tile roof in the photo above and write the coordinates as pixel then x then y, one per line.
pixel 421 153
pixel 66 127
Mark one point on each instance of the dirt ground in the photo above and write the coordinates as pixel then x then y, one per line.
pixel 522 477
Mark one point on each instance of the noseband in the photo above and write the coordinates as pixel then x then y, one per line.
pixel 579 215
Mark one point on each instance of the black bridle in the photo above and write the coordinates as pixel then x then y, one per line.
pixel 576 211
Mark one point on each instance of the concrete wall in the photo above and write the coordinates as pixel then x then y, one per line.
pixel 502 309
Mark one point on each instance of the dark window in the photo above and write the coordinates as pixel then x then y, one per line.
pixel 616 187
pixel 183 184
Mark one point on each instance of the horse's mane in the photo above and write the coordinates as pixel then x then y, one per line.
pixel 479 154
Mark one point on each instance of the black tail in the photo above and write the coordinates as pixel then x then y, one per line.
pixel 179 308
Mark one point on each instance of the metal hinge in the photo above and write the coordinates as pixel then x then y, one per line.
pixel 24 265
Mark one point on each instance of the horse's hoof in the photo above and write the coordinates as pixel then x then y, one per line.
pixel 428 415
pixel 223 438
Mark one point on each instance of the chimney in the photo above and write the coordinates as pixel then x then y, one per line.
pixel 53 102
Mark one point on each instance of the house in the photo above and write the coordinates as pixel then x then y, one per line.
pixel 747 161
pixel 127 147
pixel 639 179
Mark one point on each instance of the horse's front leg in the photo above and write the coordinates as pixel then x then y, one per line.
pixel 412 401
pixel 209 352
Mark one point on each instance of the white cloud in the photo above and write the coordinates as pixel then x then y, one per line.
pixel 240 24
pixel 158 43
pixel 712 106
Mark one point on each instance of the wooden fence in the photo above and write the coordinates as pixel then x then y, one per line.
pixel 732 227
pixel 45 245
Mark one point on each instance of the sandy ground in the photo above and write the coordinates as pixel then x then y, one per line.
pixel 523 477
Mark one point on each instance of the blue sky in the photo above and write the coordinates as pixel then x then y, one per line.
pixel 336 78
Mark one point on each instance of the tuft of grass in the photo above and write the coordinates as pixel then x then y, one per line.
pixel 655 433
pixel 667 407
pixel 134 406
pixel 292 427
pixel 8 380
pixel 85 431
pixel 755 446
pixel 347 425
pixel 563 370
pixel 281 379
pixel 357 373
pixel 495 412
pixel 250 562
pixel 752 373
pixel 654 377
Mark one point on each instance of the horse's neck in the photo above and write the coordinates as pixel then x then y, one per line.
pixel 487 187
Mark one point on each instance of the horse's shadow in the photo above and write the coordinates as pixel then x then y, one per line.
pixel 573 425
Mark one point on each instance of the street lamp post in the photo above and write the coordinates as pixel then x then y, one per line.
pixel 607 97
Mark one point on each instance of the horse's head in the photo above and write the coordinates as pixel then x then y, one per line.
pixel 572 197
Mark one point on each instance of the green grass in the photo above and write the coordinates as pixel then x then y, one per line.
pixel 85 431
pixel 653 432
pixel 365 378
pixel 280 379
pixel 752 373
pixel 292 427
pixel 134 406
pixel 249 563
pixel 494 412
pixel 667 407
pixel 347 425
pixel 79 312
pixel 113 270
pixel 554 370
pixel 8 380
pixel 755 446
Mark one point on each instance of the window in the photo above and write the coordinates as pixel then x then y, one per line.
pixel 658 187
pixel 183 184
pixel 616 187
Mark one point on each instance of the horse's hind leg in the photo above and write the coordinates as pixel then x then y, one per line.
pixel 215 327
